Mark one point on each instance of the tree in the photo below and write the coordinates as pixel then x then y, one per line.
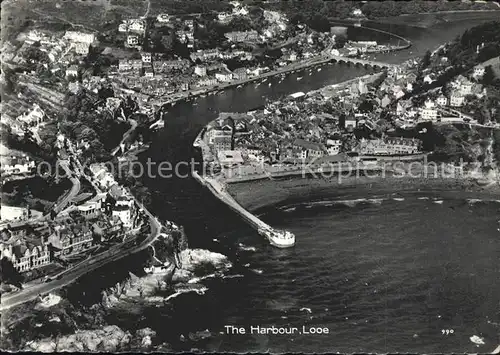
pixel 426 60
pixel 489 76
pixel 9 274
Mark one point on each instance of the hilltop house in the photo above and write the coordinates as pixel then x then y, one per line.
pixel 478 71
pixel 457 99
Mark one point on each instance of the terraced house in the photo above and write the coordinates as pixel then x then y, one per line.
pixel 389 146
pixel 25 256
pixel 73 239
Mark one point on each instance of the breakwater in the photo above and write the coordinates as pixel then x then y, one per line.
pixel 218 189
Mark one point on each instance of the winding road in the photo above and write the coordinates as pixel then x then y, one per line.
pixel 33 290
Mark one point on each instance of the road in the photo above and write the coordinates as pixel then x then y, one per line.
pixel 132 128
pixel 75 188
pixel 32 291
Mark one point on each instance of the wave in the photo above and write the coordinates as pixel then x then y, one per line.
pixel 200 291
pixel 195 280
pixel 473 201
pixel 376 201
pixel 439 202
pixel 329 203
pixel 232 276
pixel 398 198
pixel 257 271
pixel 423 198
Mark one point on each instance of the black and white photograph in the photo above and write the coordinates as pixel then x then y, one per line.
pixel 250 176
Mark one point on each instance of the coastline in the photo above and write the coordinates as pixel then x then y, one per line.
pixel 255 195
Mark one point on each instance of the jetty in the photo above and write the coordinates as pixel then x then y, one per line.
pixel 218 188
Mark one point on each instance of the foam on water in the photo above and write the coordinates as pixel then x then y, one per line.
pixel 246 248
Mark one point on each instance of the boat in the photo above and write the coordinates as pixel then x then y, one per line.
pixel 269 84
pixel 239 86
pixel 319 69
pixel 299 78
pixel 263 81
pixel 158 124
pixel 278 238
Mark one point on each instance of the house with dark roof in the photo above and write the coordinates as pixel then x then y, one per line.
pixel 309 149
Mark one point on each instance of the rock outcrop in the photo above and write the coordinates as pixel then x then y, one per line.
pixel 108 338
pixel 191 259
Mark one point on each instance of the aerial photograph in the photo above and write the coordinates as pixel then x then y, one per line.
pixel 251 176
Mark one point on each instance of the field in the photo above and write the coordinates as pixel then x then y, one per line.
pixel 429 20
pixel 92 15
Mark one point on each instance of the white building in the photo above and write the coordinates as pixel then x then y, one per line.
pixel 146 57
pixel 125 215
pixel 137 26
pixel 357 12
pixel 122 27
pixel 429 103
pixel 82 48
pixel 132 40
pixel 456 99
pixel 10 213
pixel 333 146
pixel 76 36
pixel 72 71
pixel 428 79
pixel 200 70
pixel 163 18
pixel 224 17
pixel 429 114
pixel 224 77
pixel 350 122
pixel 478 72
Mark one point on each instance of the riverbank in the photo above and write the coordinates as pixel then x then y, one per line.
pixel 281 71
pixel 254 195
pixel 427 20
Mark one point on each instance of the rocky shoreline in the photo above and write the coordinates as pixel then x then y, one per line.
pixel 69 327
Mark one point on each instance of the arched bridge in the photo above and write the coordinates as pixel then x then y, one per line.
pixel 363 62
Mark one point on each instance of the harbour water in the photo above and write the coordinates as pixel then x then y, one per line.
pixel 377 270
pixel 382 275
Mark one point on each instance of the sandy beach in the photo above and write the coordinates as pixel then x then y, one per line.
pixel 254 195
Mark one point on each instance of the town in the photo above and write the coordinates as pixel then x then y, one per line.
pixel 375 117
pixel 77 99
